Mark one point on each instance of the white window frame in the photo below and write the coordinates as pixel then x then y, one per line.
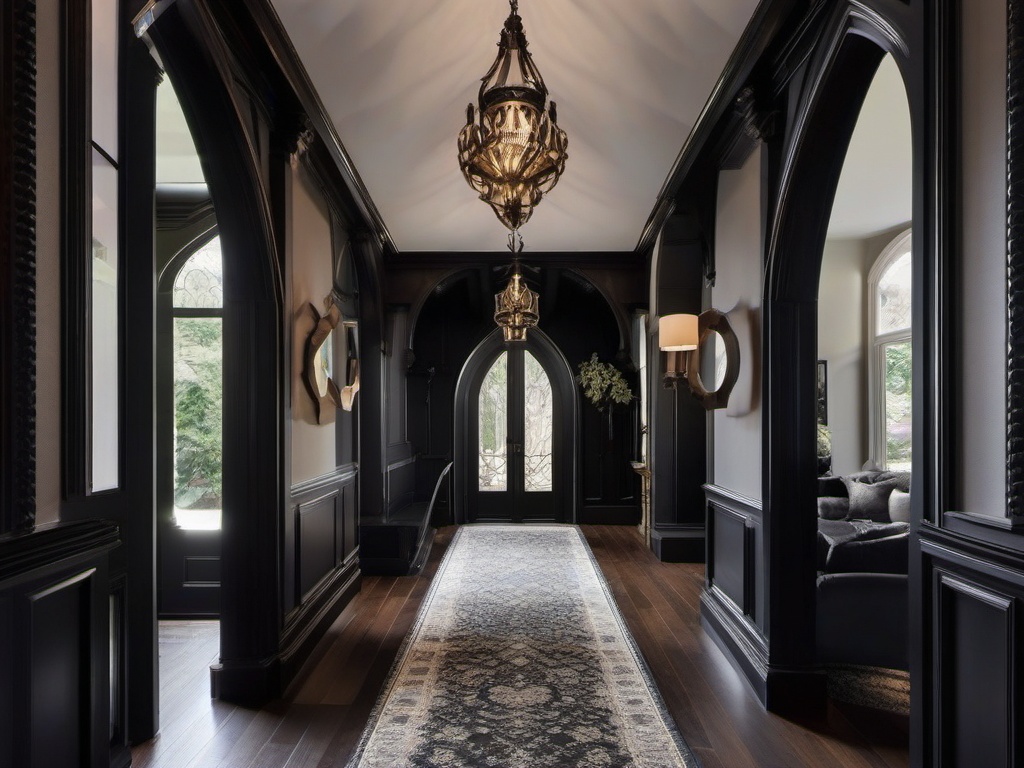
pixel 877 343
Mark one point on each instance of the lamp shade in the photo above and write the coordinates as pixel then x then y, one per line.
pixel 677 333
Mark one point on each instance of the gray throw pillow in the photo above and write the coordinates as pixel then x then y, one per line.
pixel 833 507
pixel 869 501
pixel 899 506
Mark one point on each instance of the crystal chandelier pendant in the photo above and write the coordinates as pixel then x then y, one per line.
pixel 511 150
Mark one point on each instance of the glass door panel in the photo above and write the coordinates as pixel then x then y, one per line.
pixel 514 426
pixel 538 423
pixel 493 430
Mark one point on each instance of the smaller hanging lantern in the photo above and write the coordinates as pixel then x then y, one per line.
pixel 516 308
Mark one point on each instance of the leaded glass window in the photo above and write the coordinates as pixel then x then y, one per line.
pixel 537 424
pixel 493 446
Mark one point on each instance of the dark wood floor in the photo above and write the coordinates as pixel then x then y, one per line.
pixel 319 723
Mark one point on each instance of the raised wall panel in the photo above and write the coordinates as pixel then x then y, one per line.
pixel 729 555
pixel 55 683
pixel 350 517
pixel 316 541
pixel 973 648
pixel 59 673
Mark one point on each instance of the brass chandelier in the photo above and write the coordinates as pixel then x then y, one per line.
pixel 516 308
pixel 511 150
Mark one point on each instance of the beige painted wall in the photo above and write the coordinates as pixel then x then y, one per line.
pixel 309 257
pixel 48 261
pixel 737 291
pixel 841 338
pixel 983 468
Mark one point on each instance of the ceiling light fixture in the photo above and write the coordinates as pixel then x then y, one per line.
pixel 511 150
pixel 516 308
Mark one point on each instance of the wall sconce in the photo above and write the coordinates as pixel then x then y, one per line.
pixel 686 338
pixel 677 335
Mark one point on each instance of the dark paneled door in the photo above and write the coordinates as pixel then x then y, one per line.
pixel 514 449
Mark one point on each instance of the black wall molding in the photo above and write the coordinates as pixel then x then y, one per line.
pixel 307 489
pixel 17 265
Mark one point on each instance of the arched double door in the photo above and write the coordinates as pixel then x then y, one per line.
pixel 515 424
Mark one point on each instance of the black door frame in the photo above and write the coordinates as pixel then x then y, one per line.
pixel 565 399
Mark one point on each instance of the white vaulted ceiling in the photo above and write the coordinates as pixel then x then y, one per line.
pixel 630 78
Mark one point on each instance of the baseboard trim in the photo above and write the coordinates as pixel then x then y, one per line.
pixel 304 630
pixel 680 545
pixel 781 690
pixel 254 682
pixel 609 515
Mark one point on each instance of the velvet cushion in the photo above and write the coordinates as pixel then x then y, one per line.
pixel 899 506
pixel 833 507
pixel 870 501
pixel 831 486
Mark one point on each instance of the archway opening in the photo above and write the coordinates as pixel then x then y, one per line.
pixel 863 406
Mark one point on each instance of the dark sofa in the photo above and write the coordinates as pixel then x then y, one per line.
pixel 862 569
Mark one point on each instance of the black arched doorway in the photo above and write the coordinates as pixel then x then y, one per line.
pixel 515 427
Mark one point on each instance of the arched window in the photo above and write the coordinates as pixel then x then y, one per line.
pixel 890 391
pixel 197 311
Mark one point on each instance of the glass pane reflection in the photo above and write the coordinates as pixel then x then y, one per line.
pixel 493 408
pixel 894 296
pixel 537 425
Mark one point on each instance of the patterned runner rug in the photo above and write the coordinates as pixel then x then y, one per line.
pixel 520 659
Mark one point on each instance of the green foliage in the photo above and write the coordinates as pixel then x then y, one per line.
pixel 603 383
pixel 198 396
pixel 898 401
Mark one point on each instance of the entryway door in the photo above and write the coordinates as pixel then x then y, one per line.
pixel 516 458
pixel 189 435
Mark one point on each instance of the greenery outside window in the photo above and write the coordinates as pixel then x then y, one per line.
pixel 890 364
pixel 198 310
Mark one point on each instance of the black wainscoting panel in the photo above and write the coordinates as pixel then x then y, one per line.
pixel 729 545
pixel 55 697
pixel 973 600
pixel 59 673
pixel 324 563
pixel 349 522
pixel 734 550
pixel 972 652
pixel 317 540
